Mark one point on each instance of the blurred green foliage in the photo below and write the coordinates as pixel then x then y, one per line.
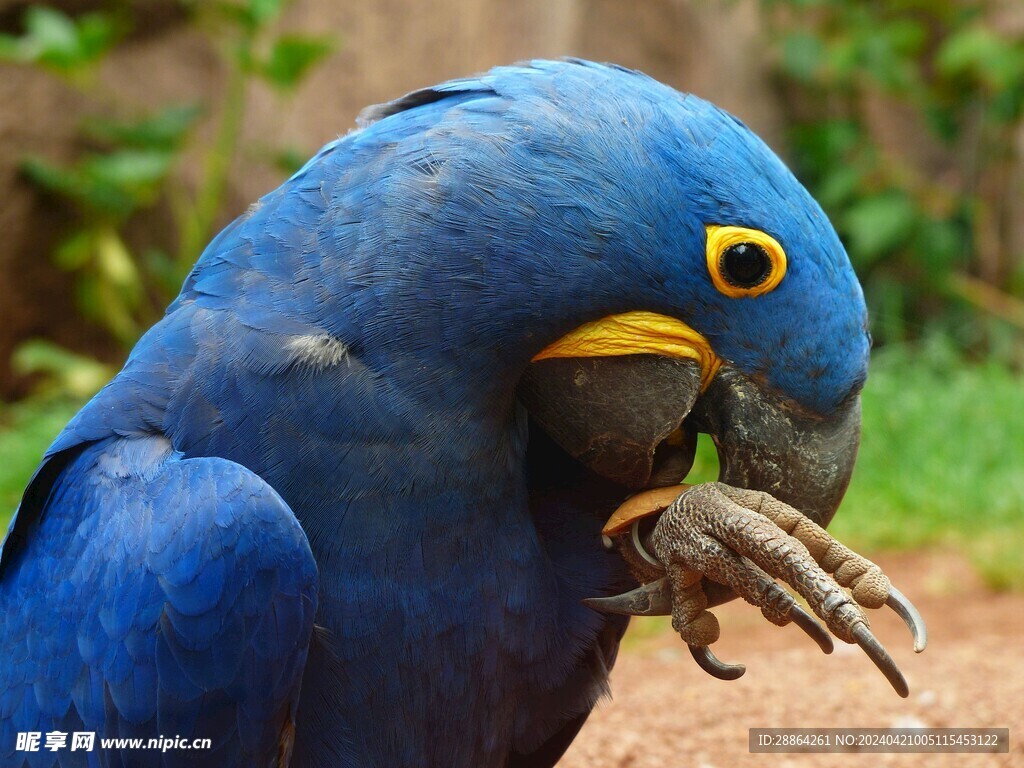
pixel 132 162
pixel 62 45
pixel 906 124
pixel 26 429
pixel 65 373
pixel 940 462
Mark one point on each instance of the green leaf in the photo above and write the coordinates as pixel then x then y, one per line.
pixel 115 264
pixel 105 304
pixel 51 177
pixel 165 130
pixel 74 374
pixel 97 34
pixel 250 15
pixel 843 56
pixel 965 50
pixel 877 225
pixel 291 58
pixel 57 41
pixel 76 251
pixel 263 12
pixel 135 171
pixel 113 184
pixel 1007 105
pixel 906 35
pixel 53 34
pixel 982 54
pixel 77 187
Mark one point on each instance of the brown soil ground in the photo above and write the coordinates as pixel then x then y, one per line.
pixel 665 712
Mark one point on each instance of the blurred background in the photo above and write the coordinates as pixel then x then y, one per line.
pixel 132 131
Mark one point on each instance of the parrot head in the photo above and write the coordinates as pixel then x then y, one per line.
pixel 630 264
pixel 748 324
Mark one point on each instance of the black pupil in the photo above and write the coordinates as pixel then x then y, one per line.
pixel 745 265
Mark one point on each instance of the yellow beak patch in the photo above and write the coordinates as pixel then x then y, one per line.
pixel 637 333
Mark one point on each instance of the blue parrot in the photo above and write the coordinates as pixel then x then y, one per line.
pixel 343 503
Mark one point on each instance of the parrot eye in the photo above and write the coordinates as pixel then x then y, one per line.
pixel 745 265
pixel 744 262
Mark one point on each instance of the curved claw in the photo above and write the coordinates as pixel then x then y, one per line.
pixel 881 659
pixel 653 599
pixel 707 661
pixel 911 617
pixel 812 628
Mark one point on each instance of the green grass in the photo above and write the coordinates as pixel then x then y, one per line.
pixel 941 460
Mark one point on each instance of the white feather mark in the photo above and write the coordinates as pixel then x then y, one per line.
pixel 320 350
pixel 134 457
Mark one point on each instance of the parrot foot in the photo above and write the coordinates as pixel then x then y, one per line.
pixel 745 540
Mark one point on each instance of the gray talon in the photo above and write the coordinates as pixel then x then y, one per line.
pixel 653 599
pixel 911 617
pixel 881 659
pixel 814 630
pixel 707 661
pixel 745 540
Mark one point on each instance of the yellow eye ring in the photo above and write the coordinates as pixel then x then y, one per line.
pixel 744 262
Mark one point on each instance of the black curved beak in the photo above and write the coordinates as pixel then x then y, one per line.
pixel 769 444
pixel 634 419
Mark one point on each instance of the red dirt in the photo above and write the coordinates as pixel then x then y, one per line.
pixel 666 712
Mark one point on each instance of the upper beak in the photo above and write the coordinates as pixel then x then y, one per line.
pixel 634 420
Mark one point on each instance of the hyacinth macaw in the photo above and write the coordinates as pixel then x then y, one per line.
pixel 343 503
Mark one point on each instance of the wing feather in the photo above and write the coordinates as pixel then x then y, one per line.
pixel 155 596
